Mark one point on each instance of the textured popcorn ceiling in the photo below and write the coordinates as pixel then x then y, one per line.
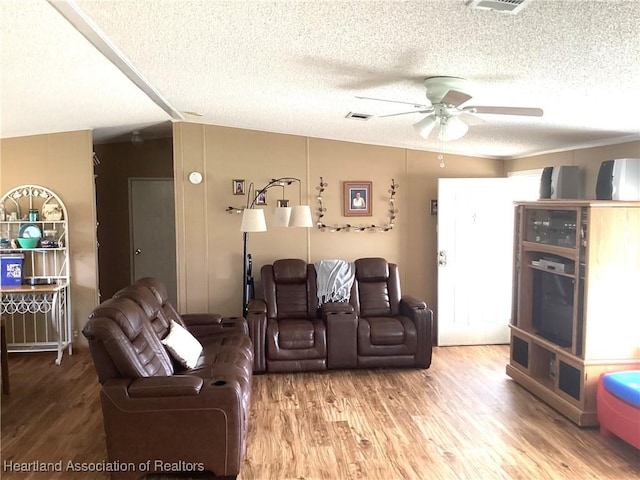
pixel 297 66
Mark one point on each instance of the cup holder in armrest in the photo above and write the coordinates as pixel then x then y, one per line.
pixel 218 383
pixel 228 322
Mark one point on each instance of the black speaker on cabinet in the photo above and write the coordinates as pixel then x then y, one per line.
pixel 545 182
pixel 619 179
pixel 560 182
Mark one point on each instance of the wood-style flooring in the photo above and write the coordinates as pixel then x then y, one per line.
pixel 461 419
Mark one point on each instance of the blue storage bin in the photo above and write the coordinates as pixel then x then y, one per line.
pixel 11 269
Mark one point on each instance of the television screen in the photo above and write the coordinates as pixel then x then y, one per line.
pixel 553 307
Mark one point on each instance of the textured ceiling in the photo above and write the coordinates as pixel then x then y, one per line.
pixel 297 66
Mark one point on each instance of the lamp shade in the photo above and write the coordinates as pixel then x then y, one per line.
pixel 452 128
pixel 253 220
pixel 424 126
pixel 281 216
pixel 301 216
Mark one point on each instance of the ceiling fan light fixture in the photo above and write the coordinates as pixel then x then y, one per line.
pixel 502 6
pixel 447 95
pixel 425 126
pixel 452 128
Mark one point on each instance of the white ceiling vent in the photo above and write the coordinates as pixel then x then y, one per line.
pixel 504 6
pixel 358 116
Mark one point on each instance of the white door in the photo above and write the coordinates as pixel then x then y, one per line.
pixel 153 231
pixel 475 258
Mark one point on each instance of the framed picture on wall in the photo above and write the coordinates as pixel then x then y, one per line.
pixel 357 199
pixel 238 187
pixel 261 198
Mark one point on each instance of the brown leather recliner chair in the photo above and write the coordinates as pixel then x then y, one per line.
pixel 392 330
pixel 153 408
pixel 286 329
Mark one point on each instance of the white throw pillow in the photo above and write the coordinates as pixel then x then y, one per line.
pixel 183 346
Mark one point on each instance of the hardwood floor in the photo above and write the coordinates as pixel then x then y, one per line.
pixel 461 419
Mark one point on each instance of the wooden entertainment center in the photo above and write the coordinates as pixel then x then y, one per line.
pixel 576 299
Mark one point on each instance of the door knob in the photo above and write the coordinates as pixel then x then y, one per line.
pixel 442 258
pixel 138 251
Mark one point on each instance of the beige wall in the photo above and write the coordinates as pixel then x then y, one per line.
pixel 209 239
pixel 588 159
pixel 62 162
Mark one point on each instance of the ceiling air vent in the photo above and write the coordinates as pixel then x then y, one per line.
pixel 358 116
pixel 504 6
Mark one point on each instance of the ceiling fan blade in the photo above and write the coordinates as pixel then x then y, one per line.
pixel 471 119
pixel 455 98
pixel 529 112
pixel 417 105
pixel 429 110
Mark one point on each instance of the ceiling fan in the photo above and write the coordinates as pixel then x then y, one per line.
pixel 446 95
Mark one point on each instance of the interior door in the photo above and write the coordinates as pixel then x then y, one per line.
pixel 153 231
pixel 475 258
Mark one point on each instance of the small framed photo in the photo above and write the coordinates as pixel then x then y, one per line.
pixel 261 198
pixel 283 203
pixel 357 199
pixel 238 187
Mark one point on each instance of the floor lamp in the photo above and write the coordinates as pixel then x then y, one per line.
pixel 253 220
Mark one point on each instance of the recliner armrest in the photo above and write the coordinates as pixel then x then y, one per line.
pixel 226 324
pixel 413 302
pixel 173 386
pixel 257 322
pixel 192 319
pixel 236 323
pixel 342 334
pixel 257 306
pixel 336 307
pixel 422 316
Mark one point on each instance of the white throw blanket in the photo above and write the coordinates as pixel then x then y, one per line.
pixel 334 279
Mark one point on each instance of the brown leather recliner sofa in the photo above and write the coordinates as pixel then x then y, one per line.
pixel 377 328
pixel 154 409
